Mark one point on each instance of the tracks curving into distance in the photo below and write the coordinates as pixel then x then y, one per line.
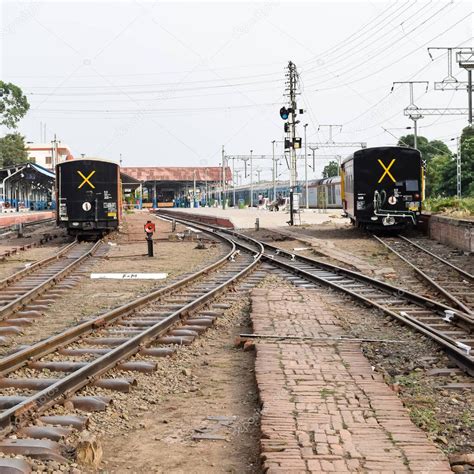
pixel 148 327
pixel 454 283
pixel 450 327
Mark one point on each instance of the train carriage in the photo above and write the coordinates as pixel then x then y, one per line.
pixel 383 187
pixel 88 194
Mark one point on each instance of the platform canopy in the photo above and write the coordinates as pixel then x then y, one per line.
pixel 26 184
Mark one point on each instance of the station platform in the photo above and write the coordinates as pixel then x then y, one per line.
pixel 11 218
pixel 245 218
pixel 323 407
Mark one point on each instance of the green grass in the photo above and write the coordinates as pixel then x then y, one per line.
pixel 326 392
pixel 450 205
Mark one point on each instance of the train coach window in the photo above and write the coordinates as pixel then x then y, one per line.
pixel 411 185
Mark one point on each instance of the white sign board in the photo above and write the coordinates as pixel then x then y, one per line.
pixel 129 276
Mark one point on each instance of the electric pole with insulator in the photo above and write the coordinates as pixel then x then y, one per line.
pixel 292 142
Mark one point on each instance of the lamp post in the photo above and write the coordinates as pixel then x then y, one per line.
pixel 274 170
pixel 251 179
pixel 313 149
pixel 306 167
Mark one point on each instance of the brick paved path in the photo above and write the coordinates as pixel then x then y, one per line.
pixel 324 409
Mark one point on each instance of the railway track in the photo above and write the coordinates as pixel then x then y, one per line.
pixel 27 292
pixel 451 328
pixel 452 282
pixel 128 338
pixel 25 225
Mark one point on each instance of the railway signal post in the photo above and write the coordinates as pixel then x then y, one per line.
pixel 149 228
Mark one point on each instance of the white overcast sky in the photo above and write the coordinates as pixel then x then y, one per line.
pixel 169 83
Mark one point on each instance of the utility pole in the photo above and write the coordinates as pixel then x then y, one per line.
pixel 313 149
pixel 330 126
pixel 458 166
pixel 274 170
pixel 54 151
pixel 306 166
pixel 251 179
pixel 233 180
pixel 292 82
pixel 223 178
pixel 412 109
pixel 465 60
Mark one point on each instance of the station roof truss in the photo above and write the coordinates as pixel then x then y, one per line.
pixel 28 173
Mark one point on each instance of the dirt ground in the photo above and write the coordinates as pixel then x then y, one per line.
pixel 91 297
pixel 17 262
pixel 212 394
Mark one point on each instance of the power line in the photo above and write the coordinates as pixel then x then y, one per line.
pixel 379 49
pixel 399 59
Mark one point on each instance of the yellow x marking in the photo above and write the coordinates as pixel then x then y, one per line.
pixel 87 178
pixel 386 170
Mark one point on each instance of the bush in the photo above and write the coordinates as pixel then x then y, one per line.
pixel 463 207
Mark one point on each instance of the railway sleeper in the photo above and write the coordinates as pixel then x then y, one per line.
pixel 53 433
pixel 35 448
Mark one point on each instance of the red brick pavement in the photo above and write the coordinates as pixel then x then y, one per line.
pixel 324 409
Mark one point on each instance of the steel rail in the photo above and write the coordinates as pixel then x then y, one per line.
pixel 22 300
pixel 13 227
pixel 462 358
pixel 94 369
pixel 466 274
pixel 457 303
pixel 459 354
pixel 34 266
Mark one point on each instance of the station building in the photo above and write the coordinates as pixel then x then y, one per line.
pixel 26 186
pixel 174 186
pixel 48 155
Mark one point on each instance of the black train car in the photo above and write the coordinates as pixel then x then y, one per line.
pixel 383 187
pixel 88 197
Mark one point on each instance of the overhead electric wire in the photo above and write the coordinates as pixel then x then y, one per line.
pixel 400 58
pixel 347 40
pixel 202 81
pixel 371 54
pixel 162 91
pixel 371 40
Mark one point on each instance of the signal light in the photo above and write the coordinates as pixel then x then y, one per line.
pixel 284 113
pixel 286 127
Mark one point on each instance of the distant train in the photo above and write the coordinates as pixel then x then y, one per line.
pixel 88 197
pixel 322 193
pixel 379 187
pixel 383 187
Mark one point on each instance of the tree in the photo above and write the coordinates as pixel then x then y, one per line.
pixel 12 150
pixel 428 149
pixel 331 170
pixel 441 176
pixel 13 104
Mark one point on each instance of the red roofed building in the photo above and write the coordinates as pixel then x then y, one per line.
pixel 175 186
pixel 177 173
